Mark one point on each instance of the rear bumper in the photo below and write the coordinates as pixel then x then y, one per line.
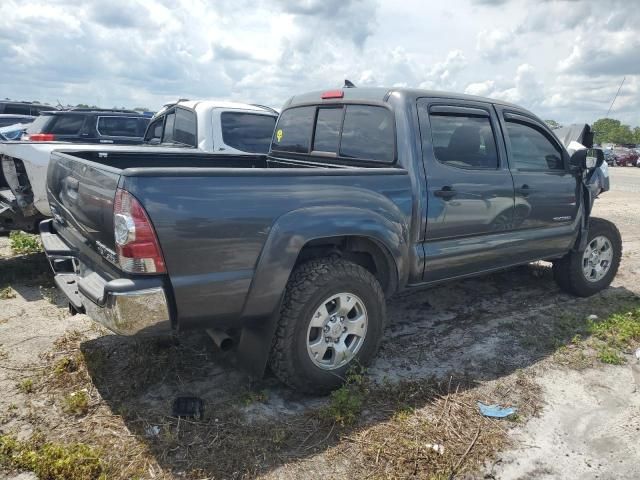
pixel 125 306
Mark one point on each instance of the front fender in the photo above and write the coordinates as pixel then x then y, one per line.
pixel 294 230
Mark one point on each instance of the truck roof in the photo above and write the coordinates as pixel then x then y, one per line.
pixel 209 104
pixel 379 94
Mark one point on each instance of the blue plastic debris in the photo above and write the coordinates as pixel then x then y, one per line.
pixel 496 411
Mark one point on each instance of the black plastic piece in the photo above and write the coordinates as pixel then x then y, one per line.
pixel 188 407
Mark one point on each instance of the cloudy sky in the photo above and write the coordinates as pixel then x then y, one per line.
pixel 562 59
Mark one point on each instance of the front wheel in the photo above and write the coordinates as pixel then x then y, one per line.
pixel 332 318
pixel 592 270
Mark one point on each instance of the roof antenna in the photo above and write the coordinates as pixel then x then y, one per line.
pixel 614 98
pixel 348 84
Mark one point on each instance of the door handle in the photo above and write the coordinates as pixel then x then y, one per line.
pixel 525 190
pixel 445 193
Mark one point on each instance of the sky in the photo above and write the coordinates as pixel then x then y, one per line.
pixel 563 60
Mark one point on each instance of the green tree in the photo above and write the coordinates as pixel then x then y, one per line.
pixel 609 130
pixel 553 124
pixel 636 135
pixel 82 105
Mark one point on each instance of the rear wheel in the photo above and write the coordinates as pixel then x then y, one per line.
pixel 332 318
pixel 588 272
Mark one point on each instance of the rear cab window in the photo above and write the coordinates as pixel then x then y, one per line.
pixel 248 132
pixel 350 133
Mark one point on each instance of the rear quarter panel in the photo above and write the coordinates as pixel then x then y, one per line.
pixel 213 226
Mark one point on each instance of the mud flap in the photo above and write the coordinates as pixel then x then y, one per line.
pixel 255 344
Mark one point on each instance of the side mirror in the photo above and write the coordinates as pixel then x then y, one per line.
pixel 587 159
pixel 595 158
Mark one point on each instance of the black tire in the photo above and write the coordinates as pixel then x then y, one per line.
pixel 310 284
pixel 568 271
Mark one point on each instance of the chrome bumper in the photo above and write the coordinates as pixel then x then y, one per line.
pixel 124 306
pixel 131 312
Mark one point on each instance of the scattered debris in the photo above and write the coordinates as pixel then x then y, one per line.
pixel 152 431
pixel 496 411
pixel 188 407
pixel 592 317
pixel 436 447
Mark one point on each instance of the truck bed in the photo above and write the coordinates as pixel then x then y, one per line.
pixel 214 218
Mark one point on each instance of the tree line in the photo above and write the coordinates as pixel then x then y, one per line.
pixel 609 130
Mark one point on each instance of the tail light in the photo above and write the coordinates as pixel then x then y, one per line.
pixel 136 242
pixel 41 137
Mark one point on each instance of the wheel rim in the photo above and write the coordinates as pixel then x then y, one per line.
pixel 336 331
pixel 596 260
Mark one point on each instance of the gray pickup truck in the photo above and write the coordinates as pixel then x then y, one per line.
pixel 364 192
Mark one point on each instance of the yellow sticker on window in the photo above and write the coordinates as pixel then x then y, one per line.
pixel 279 135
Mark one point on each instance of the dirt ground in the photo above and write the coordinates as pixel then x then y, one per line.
pixel 510 338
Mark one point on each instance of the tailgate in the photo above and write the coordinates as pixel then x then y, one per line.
pixel 81 195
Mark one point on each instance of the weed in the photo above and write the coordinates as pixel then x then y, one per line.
pixel 51 461
pixel 346 402
pixel 76 403
pixel 65 365
pixel 620 329
pixel 6 293
pixel 610 355
pixel 24 243
pixel 26 385
pixel 250 398
pixel 12 407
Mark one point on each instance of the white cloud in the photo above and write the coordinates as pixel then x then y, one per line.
pixel 496 45
pixel 561 59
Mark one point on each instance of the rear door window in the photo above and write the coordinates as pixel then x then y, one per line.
pixel 120 126
pixel 368 134
pixel 294 129
pixel 66 124
pixel 185 127
pixel 464 141
pixel 248 132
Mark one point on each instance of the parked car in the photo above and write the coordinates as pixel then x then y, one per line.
pixel 89 125
pixel 610 158
pixel 625 157
pixel 8 107
pixel 365 192
pixel 207 126
pixel 8 120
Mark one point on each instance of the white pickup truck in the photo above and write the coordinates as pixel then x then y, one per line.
pixel 210 126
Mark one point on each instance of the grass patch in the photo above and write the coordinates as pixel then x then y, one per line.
pixel 610 356
pixel 620 329
pixel 7 293
pixel 24 243
pixel 76 403
pixel 51 461
pixel 26 385
pixel 345 403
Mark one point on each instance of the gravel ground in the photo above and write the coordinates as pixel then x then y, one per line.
pixel 487 330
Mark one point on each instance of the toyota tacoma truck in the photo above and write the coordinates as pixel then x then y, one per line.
pixel 220 128
pixel 364 192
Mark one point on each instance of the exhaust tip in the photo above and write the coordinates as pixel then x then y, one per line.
pixel 222 340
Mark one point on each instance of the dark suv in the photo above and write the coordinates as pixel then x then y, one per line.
pixel 23 108
pixel 88 126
